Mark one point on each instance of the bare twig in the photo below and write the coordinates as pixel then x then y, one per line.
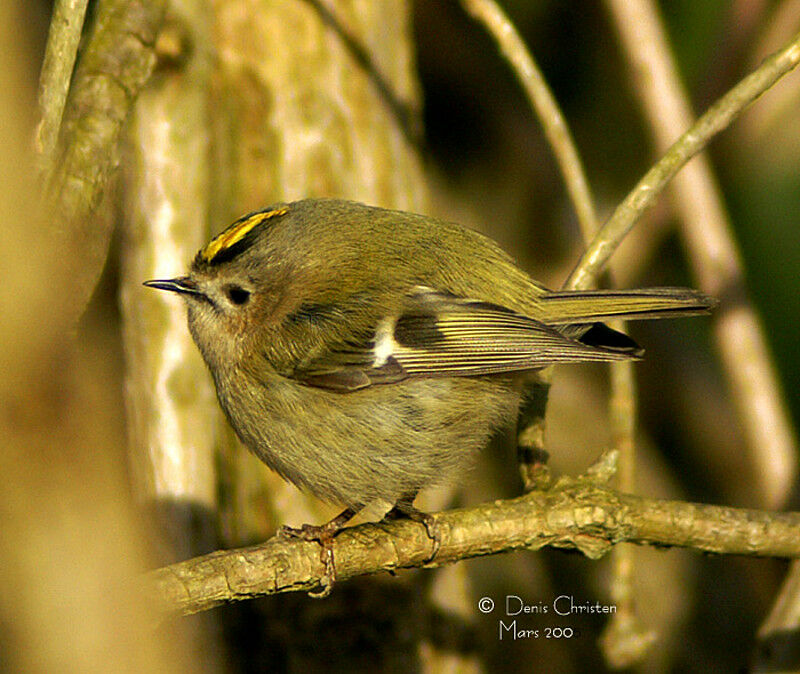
pixel 717 118
pixel 66 26
pixel 625 640
pixel 575 514
pixel 777 638
pixel 707 232
pixel 544 105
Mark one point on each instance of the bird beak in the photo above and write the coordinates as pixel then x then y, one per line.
pixel 183 285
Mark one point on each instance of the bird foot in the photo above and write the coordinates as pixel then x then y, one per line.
pixel 324 535
pixel 404 508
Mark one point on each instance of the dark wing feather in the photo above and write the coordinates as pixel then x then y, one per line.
pixel 438 335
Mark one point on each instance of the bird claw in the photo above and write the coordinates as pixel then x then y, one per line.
pixel 306 532
pixel 322 534
pixel 404 508
pixel 434 532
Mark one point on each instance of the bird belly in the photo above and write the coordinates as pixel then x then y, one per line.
pixel 381 442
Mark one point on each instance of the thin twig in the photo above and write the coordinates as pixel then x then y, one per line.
pixel 718 117
pixel 66 26
pixel 777 634
pixel 405 111
pixel 544 105
pixel 625 640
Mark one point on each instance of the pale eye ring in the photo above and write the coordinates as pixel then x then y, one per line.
pixel 237 295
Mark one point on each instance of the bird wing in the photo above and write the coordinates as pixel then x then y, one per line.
pixel 439 335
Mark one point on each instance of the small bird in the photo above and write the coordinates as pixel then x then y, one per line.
pixel 365 354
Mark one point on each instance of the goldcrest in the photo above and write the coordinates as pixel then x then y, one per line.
pixel 365 354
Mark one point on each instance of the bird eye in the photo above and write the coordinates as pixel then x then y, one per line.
pixel 237 295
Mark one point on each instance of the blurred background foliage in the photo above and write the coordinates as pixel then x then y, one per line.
pixel 489 167
pixel 492 161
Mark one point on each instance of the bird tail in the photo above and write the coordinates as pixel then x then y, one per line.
pixel 563 307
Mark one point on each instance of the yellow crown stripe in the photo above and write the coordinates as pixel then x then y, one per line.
pixel 236 232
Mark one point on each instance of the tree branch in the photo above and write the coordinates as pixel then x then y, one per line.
pixel 575 514
pixel 63 38
pixel 114 65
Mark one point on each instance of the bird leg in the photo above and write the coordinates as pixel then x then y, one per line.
pixel 405 508
pixel 323 534
pixel 531 454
